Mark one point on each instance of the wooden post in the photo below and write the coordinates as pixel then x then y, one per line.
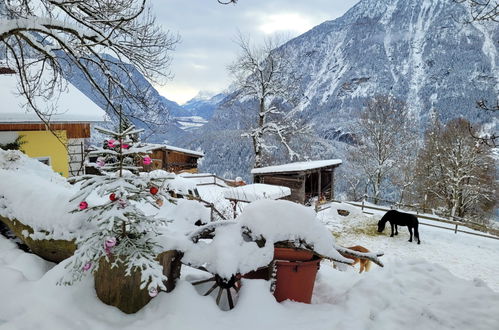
pixel 363 199
pixel 332 184
pixel 319 183
pixel 455 230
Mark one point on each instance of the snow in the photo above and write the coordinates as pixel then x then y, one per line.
pixel 406 294
pixel 466 256
pixel 253 192
pixel 172 148
pixel 295 167
pixel 447 282
pixel 33 193
pixel 71 105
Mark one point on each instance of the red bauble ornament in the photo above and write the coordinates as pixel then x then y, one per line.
pixel 153 190
pixel 113 197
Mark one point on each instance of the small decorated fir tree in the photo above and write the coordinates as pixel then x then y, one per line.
pixel 119 231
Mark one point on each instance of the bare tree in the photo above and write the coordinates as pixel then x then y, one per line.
pixel 455 172
pixel 386 134
pixel 482 10
pixel 42 38
pixel 263 77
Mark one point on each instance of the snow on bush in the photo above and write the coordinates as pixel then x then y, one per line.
pixel 34 194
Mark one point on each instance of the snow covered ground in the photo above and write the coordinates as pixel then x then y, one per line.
pixel 444 283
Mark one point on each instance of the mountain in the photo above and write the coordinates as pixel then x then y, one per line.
pixel 420 51
pixel 197 111
pixel 204 104
pixel 158 110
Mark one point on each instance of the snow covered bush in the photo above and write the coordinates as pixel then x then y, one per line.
pixel 122 233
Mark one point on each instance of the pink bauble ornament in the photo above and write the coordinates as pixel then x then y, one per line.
pixel 153 292
pixel 125 146
pixel 122 202
pixel 111 143
pixel 110 242
pixel 100 162
pixel 83 205
pixel 147 160
pixel 87 266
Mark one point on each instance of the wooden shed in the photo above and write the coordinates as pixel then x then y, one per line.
pixel 174 159
pixel 305 179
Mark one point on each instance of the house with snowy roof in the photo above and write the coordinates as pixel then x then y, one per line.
pixel 307 180
pixel 60 143
pixel 173 159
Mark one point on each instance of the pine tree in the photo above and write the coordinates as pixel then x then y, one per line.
pixel 119 231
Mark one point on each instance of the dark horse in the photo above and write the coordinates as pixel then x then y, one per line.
pixel 397 218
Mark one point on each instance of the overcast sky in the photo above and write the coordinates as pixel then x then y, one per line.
pixel 207 30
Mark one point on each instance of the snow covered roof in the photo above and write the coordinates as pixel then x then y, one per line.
pixel 71 105
pixel 256 191
pixel 172 148
pixel 296 167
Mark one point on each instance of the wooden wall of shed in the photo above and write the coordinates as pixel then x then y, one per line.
pixel 295 183
pixel 178 162
pixel 73 130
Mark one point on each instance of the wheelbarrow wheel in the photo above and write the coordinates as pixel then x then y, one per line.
pixel 224 291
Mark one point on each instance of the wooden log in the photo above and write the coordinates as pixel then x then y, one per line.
pixel 115 289
pixel 48 249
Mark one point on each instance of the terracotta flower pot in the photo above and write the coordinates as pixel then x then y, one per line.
pixel 292 254
pixel 296 272
pixel 295 280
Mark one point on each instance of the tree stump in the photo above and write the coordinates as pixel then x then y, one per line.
pixel 48 249
pixel 115 289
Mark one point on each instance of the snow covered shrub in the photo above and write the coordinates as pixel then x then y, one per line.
pixel 121 232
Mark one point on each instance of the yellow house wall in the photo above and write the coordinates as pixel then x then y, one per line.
pixel 45 144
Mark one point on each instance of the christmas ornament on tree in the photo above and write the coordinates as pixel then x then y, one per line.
pixel 87 266
pixel 122 203
pixel 147 160
pixel 110 242
pixel 83 205
pixel 113 197
pixel 100 162
pixel 153 190
pixel 111 143
pixel 153 292
pixel 159 202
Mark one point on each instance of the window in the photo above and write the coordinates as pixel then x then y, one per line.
pixel 44 160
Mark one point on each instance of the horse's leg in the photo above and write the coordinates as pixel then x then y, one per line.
pixel 410 232
pixel 391 226
pixel 416 234
pixel 396 230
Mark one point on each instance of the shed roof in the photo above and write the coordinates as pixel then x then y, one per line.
pixel 297 166
pixel 182 150
pixel 256 191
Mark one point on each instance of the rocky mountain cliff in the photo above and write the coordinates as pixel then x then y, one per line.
pixel 421 51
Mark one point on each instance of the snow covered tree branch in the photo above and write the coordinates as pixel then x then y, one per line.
pixel 455 172
pixel 386 137
pixel 42 39
pixel 265 79
pixel 482 10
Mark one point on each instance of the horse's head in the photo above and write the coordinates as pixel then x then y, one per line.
pixel 381 226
